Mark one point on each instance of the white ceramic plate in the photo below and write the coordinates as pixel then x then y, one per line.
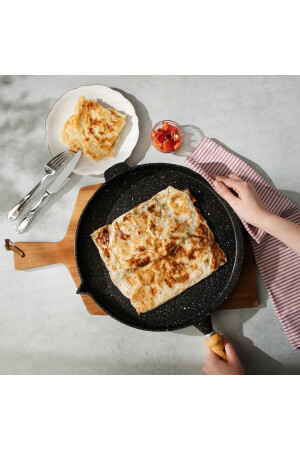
pixel 106 97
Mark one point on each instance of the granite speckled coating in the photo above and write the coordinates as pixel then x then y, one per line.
pixel 126 188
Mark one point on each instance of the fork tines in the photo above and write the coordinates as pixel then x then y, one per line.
pixel 59 159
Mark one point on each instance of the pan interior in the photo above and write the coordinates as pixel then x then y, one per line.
pixel 117 197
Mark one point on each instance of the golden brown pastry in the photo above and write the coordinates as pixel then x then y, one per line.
pixel 93 129
pixel 159 249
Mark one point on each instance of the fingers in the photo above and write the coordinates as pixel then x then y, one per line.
pixel 229 349
pixel 231 175
pixel 225 193
pixel 234 177
pixel 234 183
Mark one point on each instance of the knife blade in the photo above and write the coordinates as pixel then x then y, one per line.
pixel 57 184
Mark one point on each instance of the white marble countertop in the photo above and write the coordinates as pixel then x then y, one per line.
pixel 44 326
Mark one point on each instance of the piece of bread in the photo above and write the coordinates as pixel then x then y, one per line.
pixel 93 129
pixel 158 249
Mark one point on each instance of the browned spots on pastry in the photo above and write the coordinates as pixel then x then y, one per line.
pixel 158 283
pixel 151 207
pixel 170 246
pixel 174 198
pixel 183 278
pixel 121 234
pixel 153 291
pixel 131 280
pixel 140 249
pixel 194 253
pixel 177 227
pixel 213 262
pixel 179 204
pixel 178 252
pixel 145 277
pixel 95 122
pixel 155 228
pixel 173 271
pixel 199 241
pixel 138 295
pixel 149 241
pixel 143 261
pixel 141 300
pixel 106 253
pixel 159 249
pixel 201 229
pixel 168 282
pixel 103 236
pixel 140 262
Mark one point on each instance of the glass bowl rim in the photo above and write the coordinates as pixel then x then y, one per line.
pixel 171 123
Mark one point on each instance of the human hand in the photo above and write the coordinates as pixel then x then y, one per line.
pixel 216 366
pixel 247 205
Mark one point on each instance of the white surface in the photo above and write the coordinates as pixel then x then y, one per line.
pixel 44 326
pixel 106 97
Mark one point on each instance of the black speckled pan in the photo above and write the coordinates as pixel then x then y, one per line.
pixel 127 187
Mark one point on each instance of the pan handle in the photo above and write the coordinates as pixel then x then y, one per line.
pixel 213 340
pixel 115 170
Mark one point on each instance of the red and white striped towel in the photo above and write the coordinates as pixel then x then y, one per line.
pixel 279 266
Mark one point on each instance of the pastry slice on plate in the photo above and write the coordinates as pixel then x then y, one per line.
pixel 93 129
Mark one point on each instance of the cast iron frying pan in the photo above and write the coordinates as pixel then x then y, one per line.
pixel 127 187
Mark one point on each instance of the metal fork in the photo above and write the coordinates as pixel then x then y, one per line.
pixel 50 169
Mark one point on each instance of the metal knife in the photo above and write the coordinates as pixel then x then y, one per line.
pixel 52 189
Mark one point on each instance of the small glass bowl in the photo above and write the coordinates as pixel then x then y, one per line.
pixel 174 124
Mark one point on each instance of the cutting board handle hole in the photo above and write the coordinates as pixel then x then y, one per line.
pixel 10 246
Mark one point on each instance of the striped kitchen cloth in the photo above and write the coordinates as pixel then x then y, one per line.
pixel 278 265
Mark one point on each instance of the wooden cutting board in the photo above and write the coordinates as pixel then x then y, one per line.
pixel 38 254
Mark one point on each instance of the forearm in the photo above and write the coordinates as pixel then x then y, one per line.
pixel 282 229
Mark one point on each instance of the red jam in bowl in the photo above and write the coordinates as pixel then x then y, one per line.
pixel 167 136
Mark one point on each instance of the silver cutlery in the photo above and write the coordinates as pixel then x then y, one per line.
pixel 52 189
pixel 50 169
